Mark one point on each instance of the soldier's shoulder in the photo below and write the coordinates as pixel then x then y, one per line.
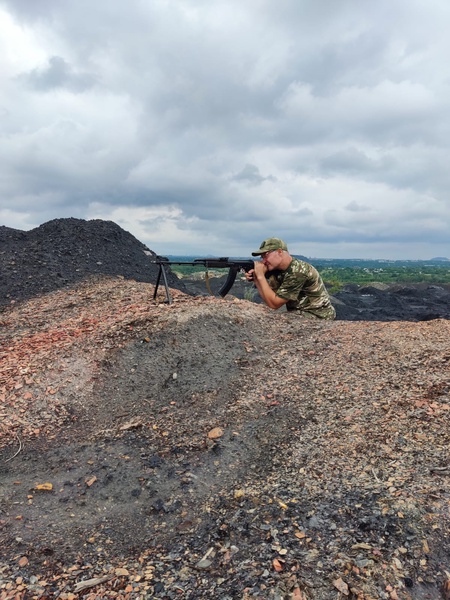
pixel 299 266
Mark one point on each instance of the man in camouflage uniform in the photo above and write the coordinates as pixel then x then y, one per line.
pixel 284 280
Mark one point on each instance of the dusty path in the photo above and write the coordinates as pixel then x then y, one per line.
pixel 215 449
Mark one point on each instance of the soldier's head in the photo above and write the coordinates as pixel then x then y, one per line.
pixel 274 253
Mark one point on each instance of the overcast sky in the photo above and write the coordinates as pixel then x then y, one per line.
pixel 204 126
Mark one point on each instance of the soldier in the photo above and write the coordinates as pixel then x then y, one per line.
pixel 282 280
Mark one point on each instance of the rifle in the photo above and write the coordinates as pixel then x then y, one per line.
pixel 233 266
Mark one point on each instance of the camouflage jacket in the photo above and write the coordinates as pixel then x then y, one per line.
pixel 302 286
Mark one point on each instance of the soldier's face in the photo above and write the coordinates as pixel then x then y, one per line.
pixel 271 259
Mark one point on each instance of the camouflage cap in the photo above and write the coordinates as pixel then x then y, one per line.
pixel 270 244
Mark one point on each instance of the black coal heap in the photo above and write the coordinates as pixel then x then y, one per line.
pixel 62 252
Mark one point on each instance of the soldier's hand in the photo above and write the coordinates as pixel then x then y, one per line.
pixel 249 275
pixel 260 270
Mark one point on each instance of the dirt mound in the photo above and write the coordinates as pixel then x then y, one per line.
pixel 65 251
pixel 215 449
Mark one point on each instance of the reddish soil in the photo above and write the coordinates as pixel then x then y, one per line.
pixel 213 448
pixel 216 449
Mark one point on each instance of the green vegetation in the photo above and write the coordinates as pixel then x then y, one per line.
pixel 336 276
pixel 337 273
pixel 187 270
pixel 250 294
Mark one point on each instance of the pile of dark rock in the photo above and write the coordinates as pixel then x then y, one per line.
pixel 412 302
pixel 63 252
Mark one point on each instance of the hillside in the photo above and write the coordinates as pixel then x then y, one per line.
pixel 214 449
pixel 211 448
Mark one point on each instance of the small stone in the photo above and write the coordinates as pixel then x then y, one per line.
pixel 341 586
pixel 203 564
pixel 215 433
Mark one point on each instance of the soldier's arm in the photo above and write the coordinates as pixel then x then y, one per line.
pixel 265 291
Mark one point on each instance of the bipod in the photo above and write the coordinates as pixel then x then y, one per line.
pixel 162 272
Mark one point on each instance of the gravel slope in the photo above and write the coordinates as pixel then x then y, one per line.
pixel 216 449
pixel 213 448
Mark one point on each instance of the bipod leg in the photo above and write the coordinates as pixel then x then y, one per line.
pixel 162 272
pixel 157 282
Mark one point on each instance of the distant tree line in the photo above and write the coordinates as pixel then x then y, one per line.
pixel 337 276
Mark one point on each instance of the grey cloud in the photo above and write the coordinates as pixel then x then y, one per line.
pixel 250 174
pixel 58 74
pixel 356 207
pixel 350 160
pixel 31 11
pixel 303 212
pixel 347 106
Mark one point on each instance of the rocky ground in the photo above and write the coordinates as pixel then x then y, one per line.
pixel 215 449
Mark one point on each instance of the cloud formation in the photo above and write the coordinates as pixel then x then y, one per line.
pixel 58 74
pixel 203 128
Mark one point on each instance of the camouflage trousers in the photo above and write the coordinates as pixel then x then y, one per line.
pixel 328 314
